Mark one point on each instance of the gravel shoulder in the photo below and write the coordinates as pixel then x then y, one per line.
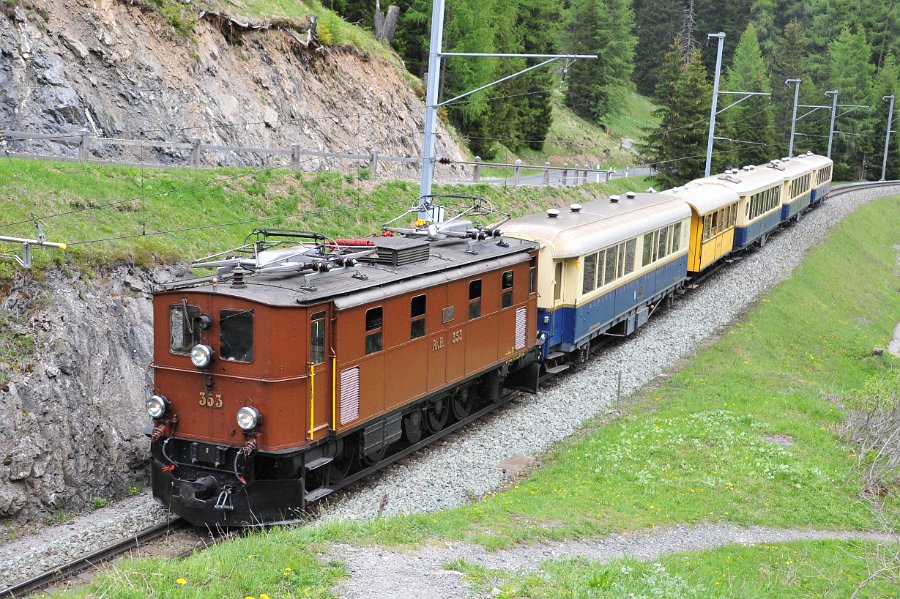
pixel 421 573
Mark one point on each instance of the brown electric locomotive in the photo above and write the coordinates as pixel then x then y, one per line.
pixel 305 363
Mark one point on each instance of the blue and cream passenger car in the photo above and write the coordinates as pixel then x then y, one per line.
pixel 612 261
pixel 759 209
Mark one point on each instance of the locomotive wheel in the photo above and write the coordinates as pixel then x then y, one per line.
pixel 462 404
pixel 340 467
pixel 436 415
pixel 412 427
pixel 376 456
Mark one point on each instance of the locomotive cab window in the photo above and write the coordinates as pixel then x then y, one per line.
pixel 236 335
pixel 417 317
pixel 475 299
pixel 374 323
pixel 184 330
pixel 317 338
pixel 506 284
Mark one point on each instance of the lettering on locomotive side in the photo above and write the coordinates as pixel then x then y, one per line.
pixel 456 337
pixel 437 344
pixel 209 400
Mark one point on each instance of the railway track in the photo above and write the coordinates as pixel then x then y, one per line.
pixel 90 560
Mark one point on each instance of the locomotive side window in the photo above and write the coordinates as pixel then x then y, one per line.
pixel 506 284
pixel 373 330
pixel 532 276
pixel 417 317
pixel 475 299
pixel 236 335
pixel 184 332
pixel 317 338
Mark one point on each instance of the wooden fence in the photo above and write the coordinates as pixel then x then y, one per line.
pixel 193 154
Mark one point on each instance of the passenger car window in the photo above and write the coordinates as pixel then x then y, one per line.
pixel 373 330
pixel 236 335
pixel 184 332
pixel 590 273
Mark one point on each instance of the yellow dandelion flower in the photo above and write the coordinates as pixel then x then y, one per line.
pixel 263 596
pixel 249 597
pixel 181 581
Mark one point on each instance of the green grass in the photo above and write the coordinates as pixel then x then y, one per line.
pixel 148 216
pixel 575 140
pixel 265 563
pixel 802 569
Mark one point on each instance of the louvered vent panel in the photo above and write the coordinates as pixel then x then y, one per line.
pixel 349 395
pixel 520 328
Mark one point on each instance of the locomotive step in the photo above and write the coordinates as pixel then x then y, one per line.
pixel 318 494
pixel 319 462
pixel 557 369
pixel 556 354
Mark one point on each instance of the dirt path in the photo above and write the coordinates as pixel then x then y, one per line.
pixel 421 573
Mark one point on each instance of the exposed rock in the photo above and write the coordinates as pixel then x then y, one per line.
pixel 120 70
pixel 76 415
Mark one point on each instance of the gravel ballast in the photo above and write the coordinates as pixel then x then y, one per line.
pixel 464 465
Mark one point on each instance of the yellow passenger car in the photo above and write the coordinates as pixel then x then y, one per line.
pixel 713 214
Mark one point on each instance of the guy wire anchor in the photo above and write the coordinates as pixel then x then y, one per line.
pixel 41 240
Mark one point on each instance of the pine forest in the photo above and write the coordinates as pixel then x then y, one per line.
pixel 661 49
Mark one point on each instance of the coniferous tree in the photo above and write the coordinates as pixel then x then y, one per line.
pixel 749 124
pixel 656 22
pixel 887 83
pixel 851 72
pixel 677 147
pixel 597 88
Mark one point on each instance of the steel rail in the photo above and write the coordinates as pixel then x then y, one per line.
pixel 89 560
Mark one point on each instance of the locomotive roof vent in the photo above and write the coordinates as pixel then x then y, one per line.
pixel 237 279
pixel 575 207
pixel 552 213
pixel 614 199
pixel 651 190
pixel 398 251
pixel 630 195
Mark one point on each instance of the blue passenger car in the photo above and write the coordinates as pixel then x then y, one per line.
pixel 605 266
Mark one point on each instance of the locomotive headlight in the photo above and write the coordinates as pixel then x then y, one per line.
pixel 247 418
pixel 201 355
pixel 157 406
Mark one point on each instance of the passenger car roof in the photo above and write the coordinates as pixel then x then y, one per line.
pixel 599 224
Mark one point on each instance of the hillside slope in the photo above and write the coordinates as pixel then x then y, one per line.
pixel 160 72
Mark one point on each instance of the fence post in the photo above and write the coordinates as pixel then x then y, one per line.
pixel 565 175
pixel 84 146
pixel 597 169
pixel 295 156
pixel 626 171
pixel 476 172
pixel 195 151
pixel 609 173
pixel 373 164
pixel 584 174
pixel 518 172
pixel 546 173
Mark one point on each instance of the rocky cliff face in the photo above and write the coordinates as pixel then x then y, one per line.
pixel 121 71
pixel 71 420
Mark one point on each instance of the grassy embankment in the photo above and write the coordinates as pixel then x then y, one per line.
pixel 573 139
pixel 697 448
